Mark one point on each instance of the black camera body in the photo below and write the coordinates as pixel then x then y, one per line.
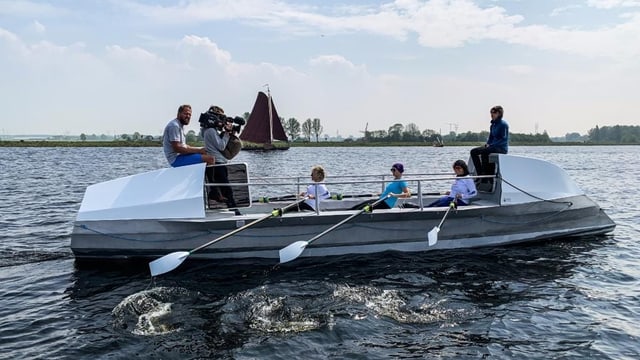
pixel 210 119
pixel 237 123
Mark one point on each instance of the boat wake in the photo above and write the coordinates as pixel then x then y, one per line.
pixel 149 312
pixel 270 309
pixel 307 306
pixel 418 308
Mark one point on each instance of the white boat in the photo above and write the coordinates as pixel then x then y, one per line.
pixel 161 212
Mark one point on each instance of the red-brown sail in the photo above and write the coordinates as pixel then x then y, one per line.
pixel 263 127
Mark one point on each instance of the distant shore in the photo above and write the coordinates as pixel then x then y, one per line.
pixel 143 143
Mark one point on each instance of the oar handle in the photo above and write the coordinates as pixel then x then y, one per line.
pixel 274 213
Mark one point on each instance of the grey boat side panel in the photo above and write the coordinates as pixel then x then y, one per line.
pixel 380 231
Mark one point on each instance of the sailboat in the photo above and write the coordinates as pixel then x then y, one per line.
pixel 264 126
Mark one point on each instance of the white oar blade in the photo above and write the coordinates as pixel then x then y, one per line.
pixel 292 251
pixel 433 236
pixel 167 263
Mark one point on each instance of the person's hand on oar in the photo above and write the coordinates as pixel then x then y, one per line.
pixel 173 260
pixel 293 250
pixel 432 236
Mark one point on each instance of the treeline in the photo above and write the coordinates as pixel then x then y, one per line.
pixel 412 133
pixel 311 130
pixel 617 134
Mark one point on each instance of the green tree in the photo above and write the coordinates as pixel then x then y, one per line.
pixel 83 137
pixel 574 136
pixel 292 127
pixel 191 136
pixel 307 127
pixel 316 128
pixel 395 132
pixel 411 132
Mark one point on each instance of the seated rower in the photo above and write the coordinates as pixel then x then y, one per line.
pixel 462 190
pixel 317 190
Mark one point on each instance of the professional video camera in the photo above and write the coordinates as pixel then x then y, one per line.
pixel 238 122
pixel 210 119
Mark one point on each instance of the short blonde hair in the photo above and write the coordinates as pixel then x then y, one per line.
pixel 320 170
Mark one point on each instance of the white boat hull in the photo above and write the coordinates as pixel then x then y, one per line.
pixel 152 214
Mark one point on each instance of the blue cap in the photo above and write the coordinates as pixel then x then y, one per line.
pixel 399 167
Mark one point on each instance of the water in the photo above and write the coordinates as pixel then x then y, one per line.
pixel 566 299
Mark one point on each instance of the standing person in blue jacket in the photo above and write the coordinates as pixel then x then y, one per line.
pixel 462 190
pixel 498 142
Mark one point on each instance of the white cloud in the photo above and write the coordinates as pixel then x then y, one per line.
pixel 29 8
pixel 520 69
pixel 38 27
pixel 610 4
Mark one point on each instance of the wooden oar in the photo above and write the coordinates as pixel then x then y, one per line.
pixel 433 234
pixel 173 260
pixel 293 250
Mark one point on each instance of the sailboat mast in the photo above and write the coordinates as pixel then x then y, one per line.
pixel 270 116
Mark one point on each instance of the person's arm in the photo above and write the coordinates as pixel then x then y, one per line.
pixel 213 141
pixel 175 136
pixel 499 134
pixel 323 192
pixel 181 148
pixel 220 142
pixel 405 191
pixel 470 189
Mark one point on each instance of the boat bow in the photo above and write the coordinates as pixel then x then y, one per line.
pixel 172 193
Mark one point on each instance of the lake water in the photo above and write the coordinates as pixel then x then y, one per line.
pixel 566 299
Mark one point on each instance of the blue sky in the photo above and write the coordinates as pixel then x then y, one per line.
pixel 113 67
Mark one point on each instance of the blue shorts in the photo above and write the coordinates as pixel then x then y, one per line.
pixel 188 159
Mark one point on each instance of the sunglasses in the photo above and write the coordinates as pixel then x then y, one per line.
pixel 394 169
pixel 457 167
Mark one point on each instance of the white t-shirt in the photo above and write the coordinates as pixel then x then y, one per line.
pixel 322 193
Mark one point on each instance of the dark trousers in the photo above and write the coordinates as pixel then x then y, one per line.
pixel 219 174
pixel 379 206
pixel 480 158
pixel 445 201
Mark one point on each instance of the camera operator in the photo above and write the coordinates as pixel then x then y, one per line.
pixel 217 129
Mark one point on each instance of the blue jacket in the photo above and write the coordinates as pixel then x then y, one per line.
pixel 498 140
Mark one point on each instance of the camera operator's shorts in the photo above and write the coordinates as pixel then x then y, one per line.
pixel 188 159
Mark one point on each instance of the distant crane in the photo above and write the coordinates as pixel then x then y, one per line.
pixel 366 132
pixel 453 125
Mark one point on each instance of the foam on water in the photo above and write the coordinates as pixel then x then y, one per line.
pixel 148 312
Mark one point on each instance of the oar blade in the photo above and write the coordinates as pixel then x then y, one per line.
pixel 433 236
pixel 292 251
pixel 167 263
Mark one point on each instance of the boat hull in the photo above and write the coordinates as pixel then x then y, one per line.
pixel 382 230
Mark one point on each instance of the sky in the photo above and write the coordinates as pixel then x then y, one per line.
pixel 114 67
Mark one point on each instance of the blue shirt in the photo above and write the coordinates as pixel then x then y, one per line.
pixel 498 140
pixel 395 187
